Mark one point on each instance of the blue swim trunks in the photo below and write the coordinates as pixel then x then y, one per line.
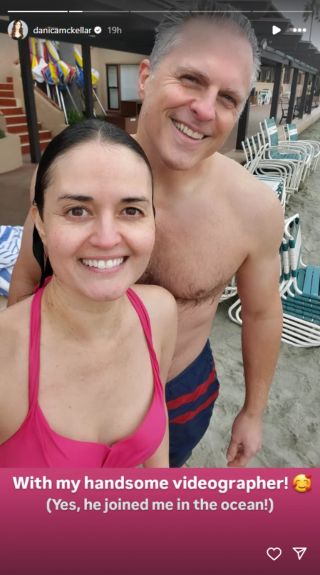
pixel 190 398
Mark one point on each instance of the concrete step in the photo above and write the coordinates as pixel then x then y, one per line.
pixel 25 148
pixel 19 128
pixel 11 111
pixel 6 93
pixel 18 119
pixel 8 102
pixel 44 135
pixel 6 86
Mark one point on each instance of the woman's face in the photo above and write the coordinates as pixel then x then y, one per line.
pixel 17 27
pixel 98 224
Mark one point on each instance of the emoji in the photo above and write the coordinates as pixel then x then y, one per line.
pixel 302 483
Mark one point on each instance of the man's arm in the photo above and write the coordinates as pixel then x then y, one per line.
pixel 258 288
pixel 26 272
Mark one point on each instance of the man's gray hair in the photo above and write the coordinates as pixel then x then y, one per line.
pixel 168 33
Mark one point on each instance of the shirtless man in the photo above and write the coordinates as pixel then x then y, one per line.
pixel 213 219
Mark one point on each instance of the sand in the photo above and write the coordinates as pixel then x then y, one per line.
pixel 291 435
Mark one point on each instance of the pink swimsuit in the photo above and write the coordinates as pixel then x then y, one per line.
pixel 35 444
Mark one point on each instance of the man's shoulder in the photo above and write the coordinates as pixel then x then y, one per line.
pixel 157 300
pixel 242 185
pixel 253 203
pixel 232 175
pixel 222 161
pixel 231 169
pixel 161 307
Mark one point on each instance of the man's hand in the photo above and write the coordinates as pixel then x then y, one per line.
pixel 245 439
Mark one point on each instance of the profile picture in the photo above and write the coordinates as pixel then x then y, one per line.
pixel 18 29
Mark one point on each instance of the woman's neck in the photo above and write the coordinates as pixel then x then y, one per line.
pixel 80 316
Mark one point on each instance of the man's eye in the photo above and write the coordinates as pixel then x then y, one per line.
pixel 189 78
pixel 77 212
pixel 229 99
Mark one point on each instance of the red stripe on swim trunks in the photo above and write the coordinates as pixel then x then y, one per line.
pixel 191 414
pixel 194 395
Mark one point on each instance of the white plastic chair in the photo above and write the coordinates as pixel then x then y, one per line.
pixel 282 149
pixel 291 135
pixel 258 162
pixel 299 289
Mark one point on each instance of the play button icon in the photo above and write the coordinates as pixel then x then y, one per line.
pixel 275 30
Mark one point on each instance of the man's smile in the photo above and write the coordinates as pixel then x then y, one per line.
pixel 184 129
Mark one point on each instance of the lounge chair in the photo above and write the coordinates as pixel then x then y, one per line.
pixel 258 164
pixel 301 296
pixel 264 96
pixel 299 288
pixel 282 149
pixel 229 291
pixel 291 134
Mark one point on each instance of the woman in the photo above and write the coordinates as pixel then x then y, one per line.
pixel 95 397
pixel 17 30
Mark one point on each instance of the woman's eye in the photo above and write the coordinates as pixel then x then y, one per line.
pixel 134 212
pixel 77 212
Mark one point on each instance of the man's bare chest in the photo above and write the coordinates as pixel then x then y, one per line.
pixel 195 255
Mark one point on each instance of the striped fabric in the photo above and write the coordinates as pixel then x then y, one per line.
pixel 10 242
pixel 272 132
pixel 273 138
pixel 285 156
pixel 292 132
pixel 187 406
pixel 190 398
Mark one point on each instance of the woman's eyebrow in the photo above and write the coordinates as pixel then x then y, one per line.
pixel 133 199
pixel 82 198
pixel 77 197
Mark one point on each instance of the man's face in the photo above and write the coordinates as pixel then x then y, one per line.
pixel 192 99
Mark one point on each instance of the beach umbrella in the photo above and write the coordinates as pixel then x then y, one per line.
pixel 79 63
pixel 37 61
pixel 61 73
pixel 80 80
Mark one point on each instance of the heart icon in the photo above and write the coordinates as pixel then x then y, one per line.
pixel 274 553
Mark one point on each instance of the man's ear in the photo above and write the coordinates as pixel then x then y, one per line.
pixel 38 222
pixel 144 75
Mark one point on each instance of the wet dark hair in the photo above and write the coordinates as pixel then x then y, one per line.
pixel 71 137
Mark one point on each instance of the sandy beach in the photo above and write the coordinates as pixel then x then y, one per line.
pixel 291 425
